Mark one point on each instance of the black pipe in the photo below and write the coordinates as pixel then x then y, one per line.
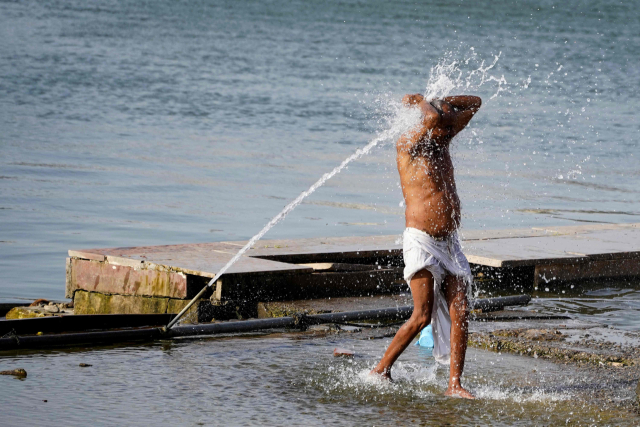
pixel 498 303
pixel 85 338
pixel 82 322
pixel 77 323
pixel 398 313
pixel 231 327
pixel 150 334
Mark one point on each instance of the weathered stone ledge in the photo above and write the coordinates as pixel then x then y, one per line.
pixel 100 303
pixel 550 344
pixel 203 311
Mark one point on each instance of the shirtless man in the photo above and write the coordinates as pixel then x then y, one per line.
pixel 435 267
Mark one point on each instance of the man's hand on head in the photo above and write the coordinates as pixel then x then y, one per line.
pixel 429 121
pixel 442 118
pixel 463 108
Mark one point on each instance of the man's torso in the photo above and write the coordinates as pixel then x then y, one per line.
pixel 429 189
pixel 424 162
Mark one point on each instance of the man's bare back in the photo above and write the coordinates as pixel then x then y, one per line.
pixel 425 167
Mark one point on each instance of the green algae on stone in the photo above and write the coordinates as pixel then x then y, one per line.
pixel 25 313
pixel 97 303
pixel 20 373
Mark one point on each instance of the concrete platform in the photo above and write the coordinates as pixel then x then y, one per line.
pixel 162 277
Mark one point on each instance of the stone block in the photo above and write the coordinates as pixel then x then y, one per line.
pixel 191 316
pixel 201 312
pixel 19 373
pixel 342 352
pixel 97 303
pixel 282 309
pixel 95 276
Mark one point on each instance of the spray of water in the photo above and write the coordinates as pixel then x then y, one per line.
pixel 445 77
pixel 402 121
pixel 412 380
pixel 448 76
pixel 399 122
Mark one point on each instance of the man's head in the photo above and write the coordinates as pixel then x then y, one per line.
pixel 445 110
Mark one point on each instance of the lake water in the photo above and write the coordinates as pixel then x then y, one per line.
pixel 139 123
pixel 613 304
pixel 128 123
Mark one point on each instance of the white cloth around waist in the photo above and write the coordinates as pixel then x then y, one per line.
pixel 441 258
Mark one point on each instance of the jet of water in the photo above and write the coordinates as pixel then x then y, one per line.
pixel 402 120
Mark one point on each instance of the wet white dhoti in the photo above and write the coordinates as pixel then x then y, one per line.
pixel 440 258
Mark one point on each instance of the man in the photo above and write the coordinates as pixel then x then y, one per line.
pixel 435 267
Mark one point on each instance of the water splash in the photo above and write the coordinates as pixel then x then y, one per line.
pixel 410 380
pixel 448 76
pixel 520 395
pixel 416 381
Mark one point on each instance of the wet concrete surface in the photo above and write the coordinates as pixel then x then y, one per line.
pixel 607 358
pixel 235 377
pixel 542 368
pixel 608 373
pixel 610 357
pixel 601 373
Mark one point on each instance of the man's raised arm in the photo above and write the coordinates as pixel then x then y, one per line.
pixel 464 108
pixel 464 102
pixel 430 119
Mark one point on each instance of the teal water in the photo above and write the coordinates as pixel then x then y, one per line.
pixel 139 123
pixel 125 123
pixel 616 305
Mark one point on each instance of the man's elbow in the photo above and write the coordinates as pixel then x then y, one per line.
pixel 412 99
pixel 476 103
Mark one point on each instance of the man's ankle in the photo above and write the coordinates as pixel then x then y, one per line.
pixel 455 382
pixel 380 371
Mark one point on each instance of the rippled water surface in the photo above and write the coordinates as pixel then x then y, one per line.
pixel 127 123
pixel 138 123
pixel 276 380
pixel 615 306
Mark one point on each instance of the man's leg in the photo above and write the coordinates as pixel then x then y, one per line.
pixel 422 291
pixel 456 295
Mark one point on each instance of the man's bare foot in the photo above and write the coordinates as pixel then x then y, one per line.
pixel 385 375
pixel 458 391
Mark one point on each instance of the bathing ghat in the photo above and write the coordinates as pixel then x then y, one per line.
pixel 272 275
